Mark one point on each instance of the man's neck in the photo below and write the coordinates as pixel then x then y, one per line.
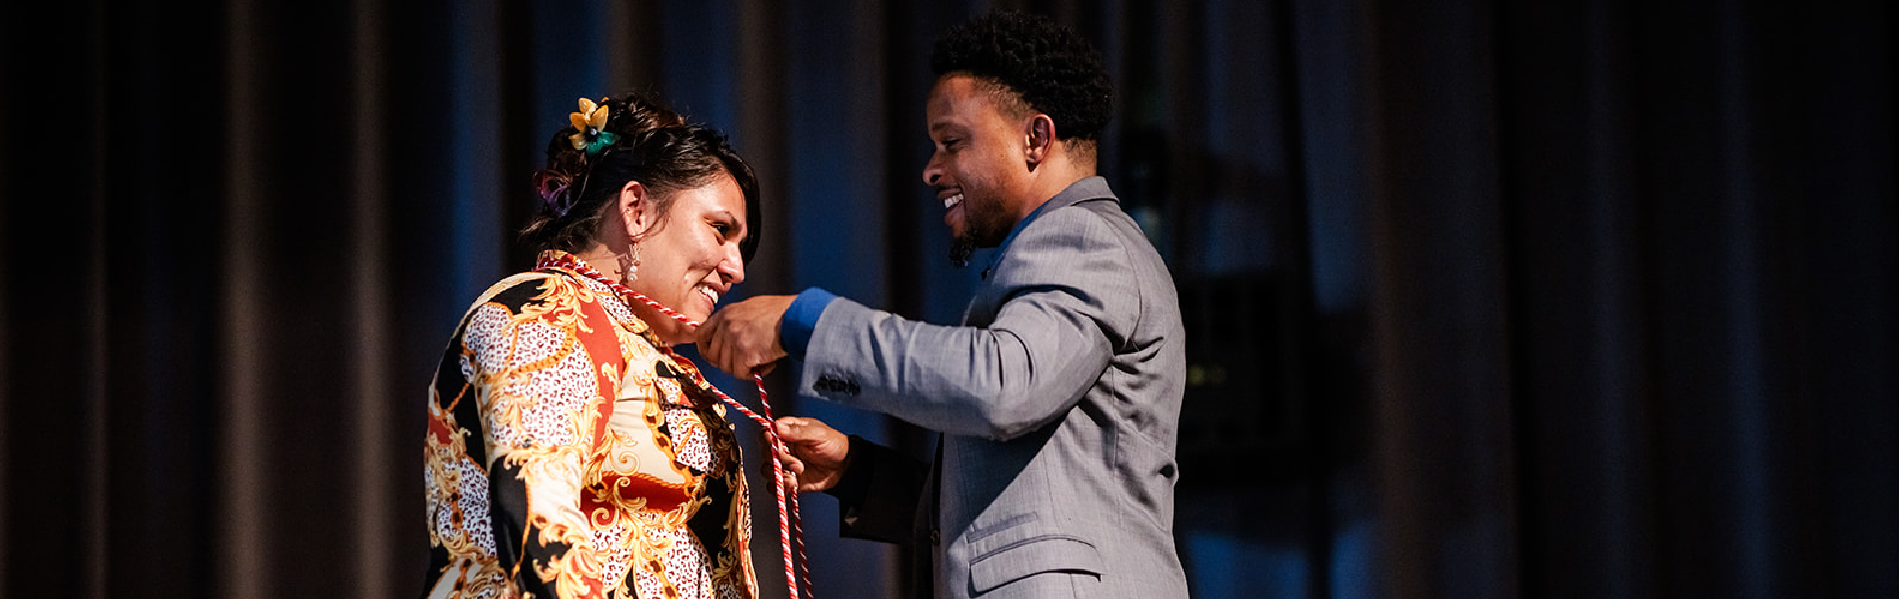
pixel 1053 177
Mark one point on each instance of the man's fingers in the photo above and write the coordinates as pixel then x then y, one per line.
pixel 708 339
pixel 792 427
pixel 791 463
pixel 719 347
pixel 725 356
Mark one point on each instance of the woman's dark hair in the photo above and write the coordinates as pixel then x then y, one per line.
pixel 1054 69
pixel 655 146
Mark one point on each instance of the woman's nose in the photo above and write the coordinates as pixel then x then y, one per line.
pixel 733 266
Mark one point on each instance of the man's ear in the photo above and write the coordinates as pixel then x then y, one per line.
pixel 635 209
pixel 1040 139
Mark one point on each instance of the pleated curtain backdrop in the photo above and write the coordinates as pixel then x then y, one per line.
pixel 1581 299
pixel 256 225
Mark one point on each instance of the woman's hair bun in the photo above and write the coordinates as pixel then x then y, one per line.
pixel 639 139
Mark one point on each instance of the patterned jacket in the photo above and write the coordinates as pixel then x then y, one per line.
pixel 565 457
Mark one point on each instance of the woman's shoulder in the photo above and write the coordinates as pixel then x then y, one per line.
pixel 522 290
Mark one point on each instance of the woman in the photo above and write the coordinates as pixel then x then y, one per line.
pixel 569 453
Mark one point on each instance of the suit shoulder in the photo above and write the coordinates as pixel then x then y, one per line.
pixel 1078 225
pixel 1094 225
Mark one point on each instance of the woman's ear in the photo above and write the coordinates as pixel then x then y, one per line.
pixel 635 209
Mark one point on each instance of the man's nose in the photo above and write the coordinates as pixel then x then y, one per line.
pixel 931 172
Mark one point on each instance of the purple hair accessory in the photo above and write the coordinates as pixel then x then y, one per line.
pixel 554 188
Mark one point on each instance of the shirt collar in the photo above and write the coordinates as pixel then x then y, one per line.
pixel 1090 188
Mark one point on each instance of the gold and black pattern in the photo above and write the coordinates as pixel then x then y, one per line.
pixel 567 456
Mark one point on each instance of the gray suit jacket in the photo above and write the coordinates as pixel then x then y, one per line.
pixel 1059 400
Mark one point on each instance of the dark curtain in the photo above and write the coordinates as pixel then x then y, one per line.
pixel 1700 291
pixel 1485 299
pixel 1634 318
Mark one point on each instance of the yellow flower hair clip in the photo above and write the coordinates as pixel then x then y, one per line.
pixel 591 122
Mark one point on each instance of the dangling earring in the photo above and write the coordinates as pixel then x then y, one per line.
pixel 630 266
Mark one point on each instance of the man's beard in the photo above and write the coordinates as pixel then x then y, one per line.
pixel 983 227
pixel 960 248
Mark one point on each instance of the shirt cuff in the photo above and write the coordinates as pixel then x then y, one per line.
pixel 852 483
pixel 794 329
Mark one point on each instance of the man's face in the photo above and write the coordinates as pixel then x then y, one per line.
pixel 978 170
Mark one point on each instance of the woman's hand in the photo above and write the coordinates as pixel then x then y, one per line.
pixel 818 455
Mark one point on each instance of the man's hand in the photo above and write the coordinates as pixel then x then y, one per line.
pixel 744 335
pixel 819 454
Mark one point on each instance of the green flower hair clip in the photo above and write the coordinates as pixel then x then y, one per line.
pixel 591 121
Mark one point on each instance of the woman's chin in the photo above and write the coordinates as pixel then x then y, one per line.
pixel 695 310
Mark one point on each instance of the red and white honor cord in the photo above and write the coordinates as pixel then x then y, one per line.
pixel 790 529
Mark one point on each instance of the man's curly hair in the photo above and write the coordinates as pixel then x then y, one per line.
pixel 1055 70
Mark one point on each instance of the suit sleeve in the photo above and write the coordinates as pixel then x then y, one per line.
pixel 877 496
pixel 1067 295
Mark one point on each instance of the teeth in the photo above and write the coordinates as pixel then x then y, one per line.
pixel 710 293
pixel 952 201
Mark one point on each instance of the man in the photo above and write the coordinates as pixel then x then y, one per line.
pixel 1058 398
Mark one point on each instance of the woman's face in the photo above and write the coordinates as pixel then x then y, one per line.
pixel 692 259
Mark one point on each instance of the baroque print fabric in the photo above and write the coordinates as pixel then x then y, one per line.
pixel 566 458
